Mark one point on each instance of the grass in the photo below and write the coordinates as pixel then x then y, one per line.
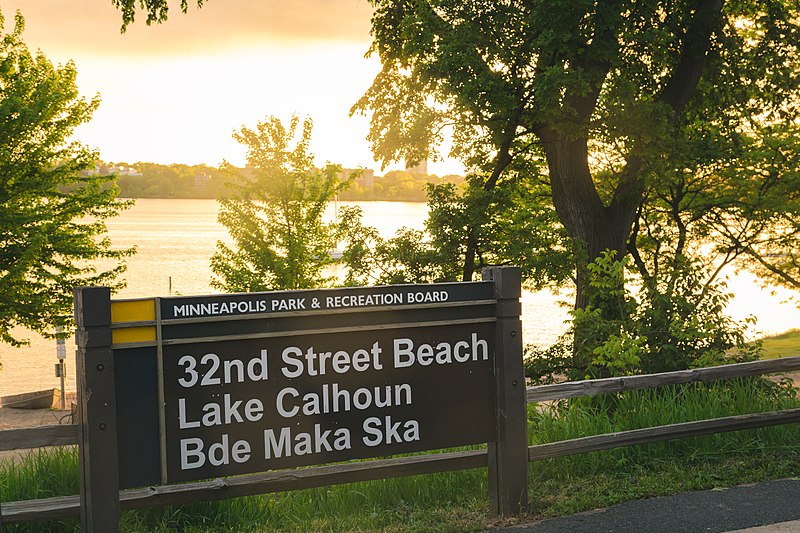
pixel 564 495
pixel 582 482
pixel 784 345
pixel 457 501
pixel 438 502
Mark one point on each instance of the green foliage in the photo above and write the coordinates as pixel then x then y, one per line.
pixel 398 186
pixel 201 181
pixel 517 222
pixel 724 201
pixel 408 257
pixel 41 473
pixel 669 132
pixel 155 10
pixel 275 216
pixel 617 109
pixel 581 417
pixel 451 501
pixel 52 217
pixel 588 481
pixel 456 501
pixel 671 324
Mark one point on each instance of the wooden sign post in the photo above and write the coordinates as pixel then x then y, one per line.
pixel 97 438
pixel 508 454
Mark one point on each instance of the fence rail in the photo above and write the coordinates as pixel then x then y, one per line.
pixel 594 387
pixel 38 437
pixel 633 437
pixel 248 485
pixel 279 481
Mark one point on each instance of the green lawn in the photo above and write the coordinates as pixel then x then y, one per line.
pixel 783 345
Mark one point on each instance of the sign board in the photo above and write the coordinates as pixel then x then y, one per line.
pixel 253 382
pixel 61 349
pixel 181 389
pixel 253 405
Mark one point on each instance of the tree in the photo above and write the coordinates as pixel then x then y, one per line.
pixel 172 181
pixel 602 96
pixel 663 130
pixel 740 206
pixel 513 219
pixel 676 321
pixel 52 216
pixel 275 216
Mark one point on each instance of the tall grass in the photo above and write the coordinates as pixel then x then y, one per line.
pixel 457 501
pixel 589 480
pixel 42 473
pixel 454 501
pixel 437 502
pixel 668 405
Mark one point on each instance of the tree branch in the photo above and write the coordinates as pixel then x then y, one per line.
pixel 675 94
pixel 694 50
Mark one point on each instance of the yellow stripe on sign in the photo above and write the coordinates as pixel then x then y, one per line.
pixel 133 311
pixel 123 312
pixel 137 334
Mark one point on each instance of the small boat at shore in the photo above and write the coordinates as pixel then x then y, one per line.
pixel 43 399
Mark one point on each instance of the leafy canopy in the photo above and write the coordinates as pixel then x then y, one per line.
pixel 663 130
pixel 52 216
pixel 667 131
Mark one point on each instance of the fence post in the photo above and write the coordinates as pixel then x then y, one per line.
pixel 508 455
pixel 97 438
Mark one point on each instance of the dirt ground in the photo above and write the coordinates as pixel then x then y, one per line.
pixel 23 418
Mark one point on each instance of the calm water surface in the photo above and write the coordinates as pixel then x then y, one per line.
pixel 176 238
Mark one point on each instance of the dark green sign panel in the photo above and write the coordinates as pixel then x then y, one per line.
pixel 326 300
pixel 243 406
pixel 243 383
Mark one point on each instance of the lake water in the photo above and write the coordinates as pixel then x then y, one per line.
pixel 176 238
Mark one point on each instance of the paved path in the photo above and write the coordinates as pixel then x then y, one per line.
pixel 770 507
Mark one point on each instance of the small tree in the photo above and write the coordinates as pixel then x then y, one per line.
pixel 275 216
pixel 52 217
pixel 673 322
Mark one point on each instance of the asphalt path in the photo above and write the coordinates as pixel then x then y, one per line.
pixel 775 504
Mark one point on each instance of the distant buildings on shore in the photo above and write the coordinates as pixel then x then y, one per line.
pixel 366 178
pixel 420 169
pixel 106 169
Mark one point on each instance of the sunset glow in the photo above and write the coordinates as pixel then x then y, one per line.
pixel 174 93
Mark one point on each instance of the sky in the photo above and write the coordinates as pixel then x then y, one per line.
pixel 174 93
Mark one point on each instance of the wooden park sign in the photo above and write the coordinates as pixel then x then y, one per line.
pixel 182 389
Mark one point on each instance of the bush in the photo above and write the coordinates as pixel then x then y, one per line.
pixel 673 323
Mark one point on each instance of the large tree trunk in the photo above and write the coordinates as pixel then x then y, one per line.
pixel 469 256
pixel 593 226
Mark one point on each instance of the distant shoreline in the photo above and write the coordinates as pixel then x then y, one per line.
pixel 196 198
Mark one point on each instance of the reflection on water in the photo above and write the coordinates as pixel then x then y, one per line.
pixel 176 238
